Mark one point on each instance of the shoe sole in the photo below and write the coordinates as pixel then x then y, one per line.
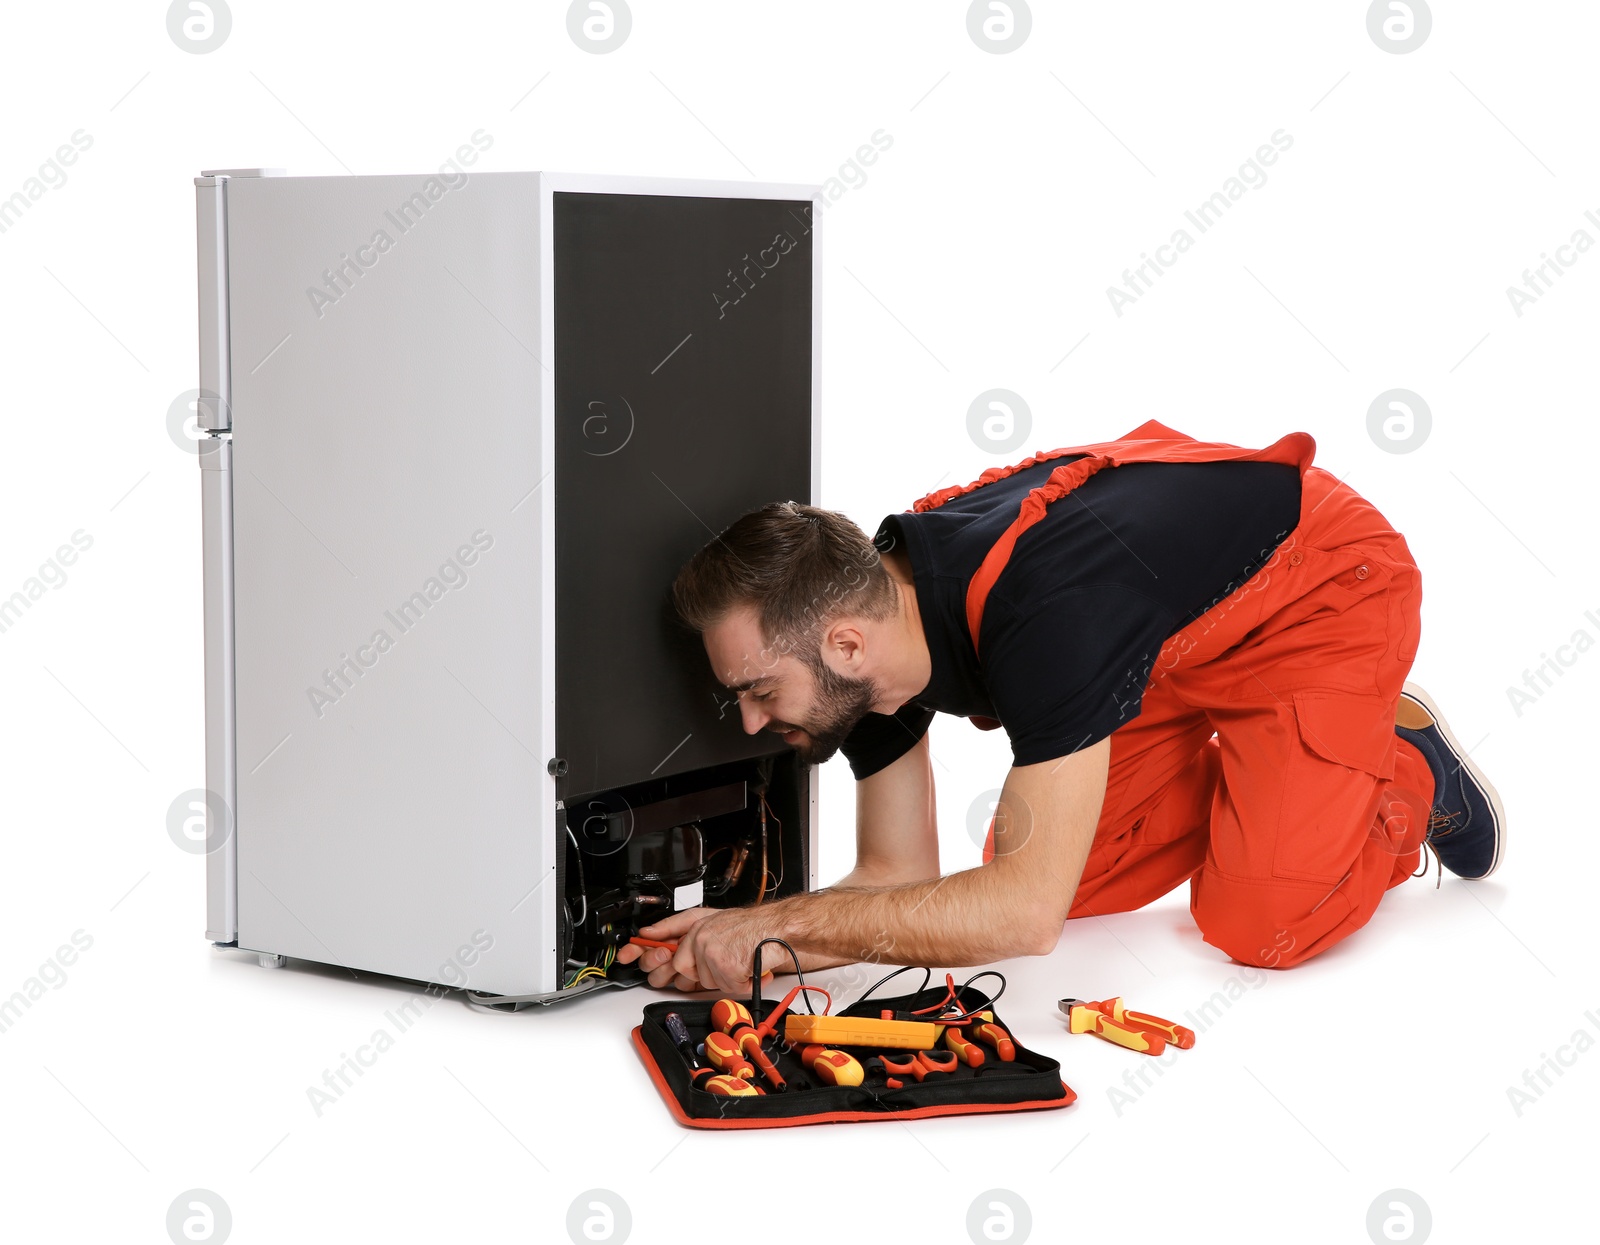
pixel 1466 762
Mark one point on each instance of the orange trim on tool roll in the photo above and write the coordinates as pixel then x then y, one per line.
pixel 832 1117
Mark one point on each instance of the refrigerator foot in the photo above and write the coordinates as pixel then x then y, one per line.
pixel 268 960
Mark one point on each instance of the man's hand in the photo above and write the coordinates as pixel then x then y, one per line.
pixel 657 962
pixel 714 950
pixel 717 950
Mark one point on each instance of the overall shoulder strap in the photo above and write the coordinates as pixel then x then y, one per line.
pixel 1149 442
pixel 1133 442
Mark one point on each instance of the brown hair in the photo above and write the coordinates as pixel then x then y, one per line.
pixel 801 567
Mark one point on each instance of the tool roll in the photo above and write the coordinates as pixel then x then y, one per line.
pixel 1027 1081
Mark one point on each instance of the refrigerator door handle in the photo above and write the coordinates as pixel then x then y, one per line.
pixel 216 510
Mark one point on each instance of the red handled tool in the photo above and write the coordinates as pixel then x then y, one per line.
pixel 732 1017
pixel 769 1026
pixel 918 1065
pixel 991 1034
pixel 968 1051
pixel 669 946
pixel 750 1043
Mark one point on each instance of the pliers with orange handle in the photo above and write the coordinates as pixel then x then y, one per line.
pixel 991 1034
pixel 1176 1035
pixel 967 1051
pixel 1146 1034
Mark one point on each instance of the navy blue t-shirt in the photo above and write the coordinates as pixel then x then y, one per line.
pixel 1076 619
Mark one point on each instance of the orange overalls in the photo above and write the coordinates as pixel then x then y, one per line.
pixel 1263 766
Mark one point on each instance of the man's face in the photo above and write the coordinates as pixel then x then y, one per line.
pixel 811 709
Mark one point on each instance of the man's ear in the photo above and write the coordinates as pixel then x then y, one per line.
pixel 844 646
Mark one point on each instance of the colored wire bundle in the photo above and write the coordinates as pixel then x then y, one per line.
pixel 592 971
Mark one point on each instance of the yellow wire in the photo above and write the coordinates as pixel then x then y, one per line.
pixel 591 971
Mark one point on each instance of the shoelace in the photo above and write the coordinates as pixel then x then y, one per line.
pixel 1440 825
pixel 1428 847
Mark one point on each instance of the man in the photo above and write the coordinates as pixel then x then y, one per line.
pixel 1198 653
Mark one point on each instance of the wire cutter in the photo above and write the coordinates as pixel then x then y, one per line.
pixel 1110 1020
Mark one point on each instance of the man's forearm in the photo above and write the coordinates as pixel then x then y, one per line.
pixel 1014 905
pixel 775 959
pixel 975 916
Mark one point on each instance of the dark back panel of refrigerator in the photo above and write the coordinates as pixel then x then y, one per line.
pixel 683 399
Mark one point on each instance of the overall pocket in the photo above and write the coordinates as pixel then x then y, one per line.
pixel 1346 757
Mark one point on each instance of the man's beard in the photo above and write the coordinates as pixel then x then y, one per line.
pixel 841 703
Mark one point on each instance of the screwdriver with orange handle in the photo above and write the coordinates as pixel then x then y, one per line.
pixel 731 1017
pixel 723 1053
pixel 728 1014
pixel 1176 1035
pixel 750 1044
pixel 725 1086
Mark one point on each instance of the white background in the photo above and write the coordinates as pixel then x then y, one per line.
pixel 976 254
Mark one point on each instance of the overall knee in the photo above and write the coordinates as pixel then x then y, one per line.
pixel 1264 927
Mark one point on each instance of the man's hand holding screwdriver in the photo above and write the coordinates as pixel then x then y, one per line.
pixel 712 950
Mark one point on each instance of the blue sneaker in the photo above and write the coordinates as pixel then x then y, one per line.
pixel 1466 827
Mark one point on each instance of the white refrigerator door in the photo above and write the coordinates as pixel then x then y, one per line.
pixel 392 549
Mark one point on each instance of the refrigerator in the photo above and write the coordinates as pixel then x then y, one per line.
pixel 459 431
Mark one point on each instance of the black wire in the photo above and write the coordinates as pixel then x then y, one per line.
pixel 927 976
pixel 755 977
pixel 988 972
